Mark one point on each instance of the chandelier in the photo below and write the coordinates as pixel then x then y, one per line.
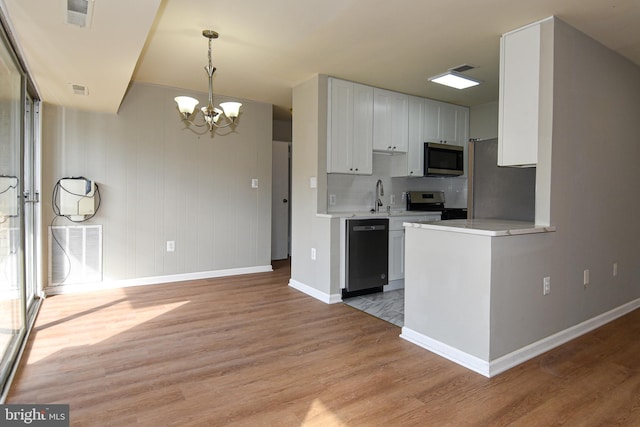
pixel 212 115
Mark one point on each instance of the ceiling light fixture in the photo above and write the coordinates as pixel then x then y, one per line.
pixel 230 110
pixel 453 79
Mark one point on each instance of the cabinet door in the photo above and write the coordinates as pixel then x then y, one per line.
pixel 382 120
pixel 518 117
pixel 430 119
pixel 462 126
pixel 390 125
pixel 400 122
pixel 415 150
pixel 362 140
pixel 447 123
pixel 340 127
pixel 462 133
pixel 396 255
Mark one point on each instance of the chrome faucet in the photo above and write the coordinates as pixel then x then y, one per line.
pixel 379 193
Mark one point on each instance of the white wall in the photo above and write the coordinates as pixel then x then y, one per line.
pixel 162 182
pixel 357 192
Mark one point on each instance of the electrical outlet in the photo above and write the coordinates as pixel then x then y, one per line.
pixel 404 196
pixel 171 245
pixel 546 285
pixel 615 269
pixel 313 254
pixel 332 199
pixel 585 277
pixel 392 199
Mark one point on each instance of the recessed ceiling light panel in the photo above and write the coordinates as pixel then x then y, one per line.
pixel 455 80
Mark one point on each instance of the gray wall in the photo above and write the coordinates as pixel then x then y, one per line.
pixel 282 130
pixel 483 121
pixel 162 182
pixel 308 230
pixel 594 178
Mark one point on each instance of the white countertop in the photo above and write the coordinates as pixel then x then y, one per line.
pixel 381 214
pixel 485 227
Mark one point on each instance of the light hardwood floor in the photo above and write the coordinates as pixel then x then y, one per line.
pixel 250 351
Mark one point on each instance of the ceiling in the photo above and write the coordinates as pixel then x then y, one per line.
pixel 268 47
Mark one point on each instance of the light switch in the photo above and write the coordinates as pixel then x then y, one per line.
pixel 313 182
pixel 254 183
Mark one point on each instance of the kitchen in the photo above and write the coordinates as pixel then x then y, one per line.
pixel 352 193
pixel 577 307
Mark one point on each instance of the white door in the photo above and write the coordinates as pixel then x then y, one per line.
pixel 280 200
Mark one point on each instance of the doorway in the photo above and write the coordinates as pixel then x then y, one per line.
pixel 281 200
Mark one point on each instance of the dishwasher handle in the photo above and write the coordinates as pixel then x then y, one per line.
pixel 369 228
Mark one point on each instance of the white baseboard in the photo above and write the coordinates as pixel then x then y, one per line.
pixel 508 361
pixel 457 356
pixel 530 351
pixel 394 285
pixel 313 292
pixel 154 280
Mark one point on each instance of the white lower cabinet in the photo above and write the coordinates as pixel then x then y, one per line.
pixel 396 242
pixel 396 254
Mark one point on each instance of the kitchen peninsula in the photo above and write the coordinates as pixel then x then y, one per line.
pixel 467 290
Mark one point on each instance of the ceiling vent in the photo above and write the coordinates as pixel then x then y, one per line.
pixel 79 89
pixel 79 13
pixel 462 68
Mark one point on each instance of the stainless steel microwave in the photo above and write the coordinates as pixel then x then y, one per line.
pixel 443 159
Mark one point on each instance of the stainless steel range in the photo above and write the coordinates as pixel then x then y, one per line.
pixel 433 201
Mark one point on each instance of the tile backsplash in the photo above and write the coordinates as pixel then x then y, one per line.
pixel 357 192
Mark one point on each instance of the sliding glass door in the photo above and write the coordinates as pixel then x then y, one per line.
pixel 32 204
pixel 12 278
pixel 20 280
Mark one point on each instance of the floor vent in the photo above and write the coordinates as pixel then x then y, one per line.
pixel 75 254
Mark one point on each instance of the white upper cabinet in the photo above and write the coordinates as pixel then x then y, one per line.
pixel 390 121
pixel 519 99
pixel 362 119
pixel 349 128
pixel 430 121
pixel 445 123
pixel 415 150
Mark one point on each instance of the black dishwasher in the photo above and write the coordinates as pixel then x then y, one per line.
pixel 367 256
